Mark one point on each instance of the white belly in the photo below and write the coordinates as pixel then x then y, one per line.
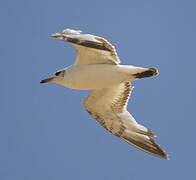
pixel 95 76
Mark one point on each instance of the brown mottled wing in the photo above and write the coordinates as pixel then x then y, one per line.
pixel 105 104
pixel 109 108
pixel 90 49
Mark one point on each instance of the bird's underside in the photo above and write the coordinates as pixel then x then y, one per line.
pixel 109 105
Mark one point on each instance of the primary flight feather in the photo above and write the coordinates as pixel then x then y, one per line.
pixel 98 68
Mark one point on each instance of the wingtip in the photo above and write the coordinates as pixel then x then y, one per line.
pixel 65 32
pixel 146 144
pixel 165 155
pixel 162 155
pixel 159 151
pixel 55 35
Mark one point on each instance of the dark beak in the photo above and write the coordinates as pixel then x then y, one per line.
pixel 50 79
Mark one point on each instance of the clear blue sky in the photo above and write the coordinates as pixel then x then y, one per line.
pixel 45 133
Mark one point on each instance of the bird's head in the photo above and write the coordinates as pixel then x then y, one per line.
pixel 57 77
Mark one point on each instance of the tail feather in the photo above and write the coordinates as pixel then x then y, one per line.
pixel 147 73
pixel 144 143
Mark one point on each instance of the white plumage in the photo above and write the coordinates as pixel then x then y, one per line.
pixel 98 68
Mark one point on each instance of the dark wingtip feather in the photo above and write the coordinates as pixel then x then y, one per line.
pixel 146 144
pixel 159 151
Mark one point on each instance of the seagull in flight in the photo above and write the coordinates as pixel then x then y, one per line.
pixel 98 68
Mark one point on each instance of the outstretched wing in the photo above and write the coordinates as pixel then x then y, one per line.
pixel 90 49
pixel 109 108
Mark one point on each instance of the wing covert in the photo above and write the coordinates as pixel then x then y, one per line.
pixel 105 104
pixel 90 49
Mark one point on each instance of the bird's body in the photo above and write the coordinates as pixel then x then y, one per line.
pixel 98 68
pixel 97 76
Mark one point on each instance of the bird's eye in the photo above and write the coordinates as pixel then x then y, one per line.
pixel 57 73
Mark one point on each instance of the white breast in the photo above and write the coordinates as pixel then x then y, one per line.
pixel 95 76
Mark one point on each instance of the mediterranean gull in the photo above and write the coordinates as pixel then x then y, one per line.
pixel 98 68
